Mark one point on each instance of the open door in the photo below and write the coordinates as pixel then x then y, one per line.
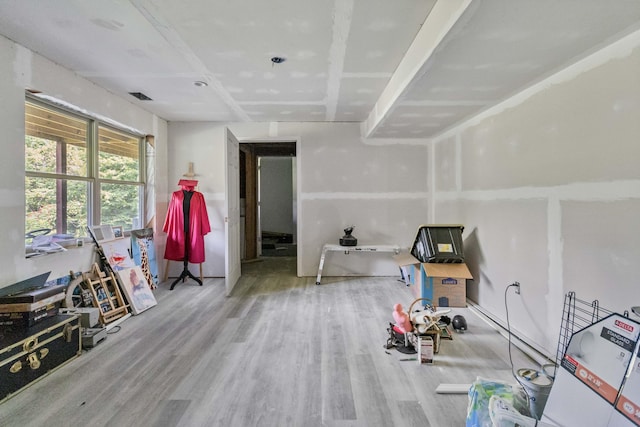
pixel 232 259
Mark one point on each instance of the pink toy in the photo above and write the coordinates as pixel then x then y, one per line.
pixel 403 324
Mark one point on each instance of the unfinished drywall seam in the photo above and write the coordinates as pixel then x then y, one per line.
pixel 342 14
pixel 619 49
pixel 273 129
pixel 152 14
pixel 22 66
pixel 394 141
pixel 595 191
pixel 555 285
pixel 458 160
pixel 365 196
pixel 431 184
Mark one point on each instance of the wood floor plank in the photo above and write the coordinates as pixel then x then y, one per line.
pixel 169 413
pixel 413 414
pixel 337 395
pixel 372 402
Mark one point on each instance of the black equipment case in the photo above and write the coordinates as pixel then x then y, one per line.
pixel 440 243
pixel 28 354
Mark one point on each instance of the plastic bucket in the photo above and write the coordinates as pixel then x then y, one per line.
pixel 537 385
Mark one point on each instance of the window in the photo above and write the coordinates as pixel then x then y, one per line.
pixel 119 178
pixel 80 172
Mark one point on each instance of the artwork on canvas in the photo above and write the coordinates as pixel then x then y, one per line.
pixel 136 289
pixel 144 254
pixel 117 254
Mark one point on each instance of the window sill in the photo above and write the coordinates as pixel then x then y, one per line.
pixel 59 247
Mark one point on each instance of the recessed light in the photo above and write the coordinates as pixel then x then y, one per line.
pixel 200 83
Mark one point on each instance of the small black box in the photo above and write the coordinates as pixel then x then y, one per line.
pixel 439 243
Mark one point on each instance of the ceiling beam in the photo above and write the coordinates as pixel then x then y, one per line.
pixel 342 15
pixel 441 19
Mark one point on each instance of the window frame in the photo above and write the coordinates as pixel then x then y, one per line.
pixel 92 178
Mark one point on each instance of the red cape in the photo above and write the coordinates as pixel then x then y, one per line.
pixel 174 227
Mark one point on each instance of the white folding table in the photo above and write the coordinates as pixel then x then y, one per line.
pixel 348 249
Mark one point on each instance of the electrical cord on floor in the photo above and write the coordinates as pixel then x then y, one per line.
pixel 506 309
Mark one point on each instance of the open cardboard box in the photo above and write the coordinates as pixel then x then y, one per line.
pixel 444 284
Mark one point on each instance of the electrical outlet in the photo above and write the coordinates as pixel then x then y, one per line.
pixel 517 286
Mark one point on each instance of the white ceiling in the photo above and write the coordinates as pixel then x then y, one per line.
pixel 406 68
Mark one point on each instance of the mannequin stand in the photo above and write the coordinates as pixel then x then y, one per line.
pixel 185 270
pixel 166 271
pixel 185 273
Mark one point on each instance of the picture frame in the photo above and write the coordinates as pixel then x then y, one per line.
pixel 102 233
pixel 118 232
pixel 136 289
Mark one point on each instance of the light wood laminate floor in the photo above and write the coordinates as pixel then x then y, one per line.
pixel 281 351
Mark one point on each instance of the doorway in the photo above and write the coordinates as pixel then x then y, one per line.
pixel 276 206
pixel 252 240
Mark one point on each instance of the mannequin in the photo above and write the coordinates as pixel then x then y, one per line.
pixel 186 224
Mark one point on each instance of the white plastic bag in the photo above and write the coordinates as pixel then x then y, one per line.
pixel 480 393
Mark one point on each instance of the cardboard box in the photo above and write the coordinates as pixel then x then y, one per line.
pixel 425 349
pixel 444 284
pixel 435 336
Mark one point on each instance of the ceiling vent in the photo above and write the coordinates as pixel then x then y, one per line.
pixel 141 96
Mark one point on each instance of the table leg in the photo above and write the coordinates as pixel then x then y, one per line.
pixel 324 253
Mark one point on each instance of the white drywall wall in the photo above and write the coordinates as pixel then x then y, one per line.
pixel 21 69
pixel 203 145
pixel 548 187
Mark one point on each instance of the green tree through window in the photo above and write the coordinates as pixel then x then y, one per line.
pixel 73 180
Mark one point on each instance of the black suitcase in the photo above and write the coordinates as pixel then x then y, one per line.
pixel 27 355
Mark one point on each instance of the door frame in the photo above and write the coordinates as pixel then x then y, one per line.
pixel 247 145
pixel 232 261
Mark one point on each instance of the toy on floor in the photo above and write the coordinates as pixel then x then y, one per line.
pixel 400 332
pixel 400 341
pixel 403 335
pixel 403 323
pixel 427 319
